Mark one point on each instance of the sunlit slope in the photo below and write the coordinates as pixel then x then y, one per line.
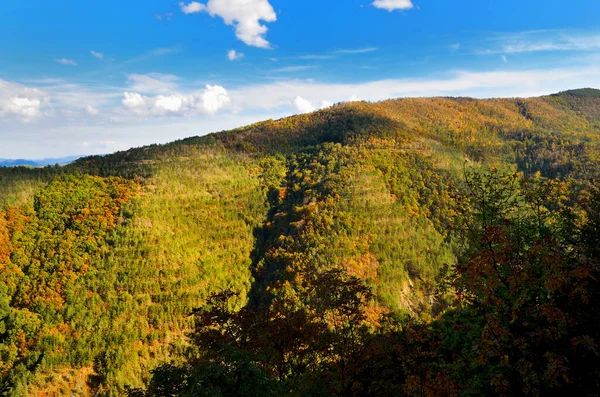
pixel 183 233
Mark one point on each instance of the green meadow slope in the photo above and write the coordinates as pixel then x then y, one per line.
pixel 102 261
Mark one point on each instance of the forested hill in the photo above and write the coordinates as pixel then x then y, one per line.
pixel 431 246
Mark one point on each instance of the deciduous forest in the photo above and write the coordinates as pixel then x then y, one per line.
pixel 409 247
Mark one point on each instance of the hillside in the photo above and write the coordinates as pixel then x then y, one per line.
pixel 104 259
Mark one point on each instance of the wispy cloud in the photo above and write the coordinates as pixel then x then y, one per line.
pixel 163 17
pixel 97 55
pixel 152 83
pixel 289 69
pixel 316 56
pixel 164 51
pixel 542 41
pixel 65 61
pixel 357 50
pixel 112 65
pixel 44 81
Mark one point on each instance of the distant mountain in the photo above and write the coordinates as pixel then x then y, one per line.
pixel 37 163
pixel 18 163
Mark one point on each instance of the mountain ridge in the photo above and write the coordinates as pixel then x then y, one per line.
pixel 106 257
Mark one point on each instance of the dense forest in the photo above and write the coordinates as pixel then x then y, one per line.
pixel 418 247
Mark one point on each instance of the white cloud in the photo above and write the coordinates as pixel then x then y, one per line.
pixel 92 111
pixel 152 83
pixel 214 98
pixel 326 104
pixel 171 103
pixel 303 106
pixel 233 55
pixel 134 101
pixel 504 58
pixel 65 61
pixel 392 5
pixel 244 15
pixel 29 108
pixel 193 8
pixel 455 47
pixel 21 102
pixel 208 101
pixel 98 55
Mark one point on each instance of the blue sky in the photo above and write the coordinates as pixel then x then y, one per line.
pixel 83 77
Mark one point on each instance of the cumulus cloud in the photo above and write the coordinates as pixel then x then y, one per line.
pixel 193 8
pixel 23 106
pixel 208 101
pixel 214 98
pixel 134 101
pixel 392 5
pixel 244 15
pixel 233 55
pixel 98 55
pixel 171 103
pixel 65 61
pixel 21 102
pixel 302 105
